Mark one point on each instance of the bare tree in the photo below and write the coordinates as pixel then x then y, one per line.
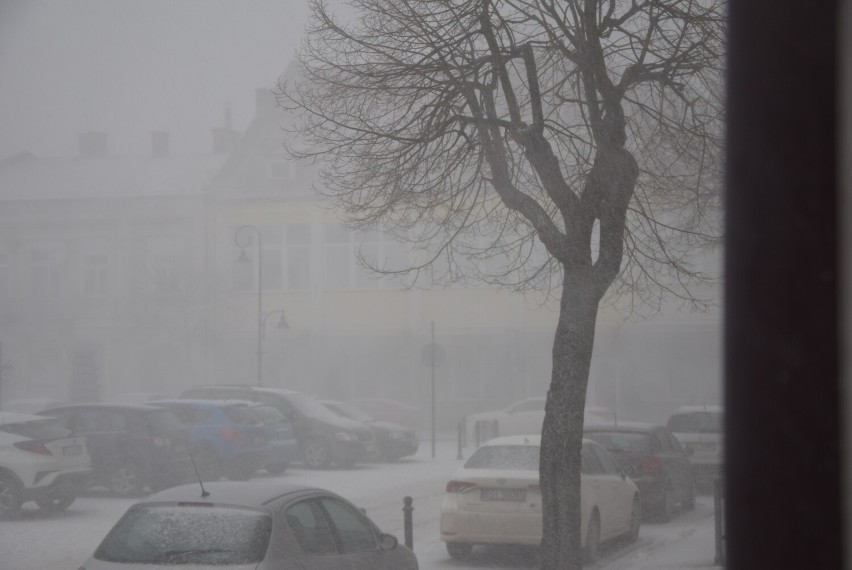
pixel 573 143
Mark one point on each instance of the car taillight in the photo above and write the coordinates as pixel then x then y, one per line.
pixel 33 446
pixel 459 486
pixel 650 466
pixel 229 434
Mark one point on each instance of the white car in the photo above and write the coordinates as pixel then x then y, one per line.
pixel 39 462
pixel 495 498
pixel 524 417
pixel 699 429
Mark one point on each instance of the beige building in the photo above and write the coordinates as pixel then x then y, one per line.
pixel 141 275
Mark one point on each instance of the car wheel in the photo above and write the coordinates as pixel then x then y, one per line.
pixel 277 468
pixel 56 500
pixel 317 455
pixel 459 550
pixel 666 507
pixel 635 519
pixel 208 464
pixel 11 496
pixel 593 539
pixel 124 480
pixel 689 501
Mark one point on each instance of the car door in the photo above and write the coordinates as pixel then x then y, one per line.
pixel 357 537
pixel 319 549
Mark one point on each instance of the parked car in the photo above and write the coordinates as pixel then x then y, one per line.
pixel 699 429
pixel 283 448
pixel 393 441
pixel 655 461
pixel 226 437
pixel 495 499
pixel 258 525
pixel 132 446
pixel 525 417
pixel 139 397
pixel 387 410
pixel 39 461
pixel 324 437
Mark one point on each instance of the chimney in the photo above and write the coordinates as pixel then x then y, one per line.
pixel 225 138
pixel 159 144
pixel 93 144
pixel 265 102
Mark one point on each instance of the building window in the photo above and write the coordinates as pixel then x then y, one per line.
pixel 286 259
pixel 342 250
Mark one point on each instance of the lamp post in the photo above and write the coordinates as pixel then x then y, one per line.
pixel 282 324
pixel 243 238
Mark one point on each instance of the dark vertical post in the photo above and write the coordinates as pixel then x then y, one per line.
pixel 781 322
pixel 408 525
pixel 432 363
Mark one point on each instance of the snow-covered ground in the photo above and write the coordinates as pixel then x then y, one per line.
pixel 63 541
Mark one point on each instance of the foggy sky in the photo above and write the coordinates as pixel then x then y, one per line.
pixel 129 67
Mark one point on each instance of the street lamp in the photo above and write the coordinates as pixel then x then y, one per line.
pixel 243 238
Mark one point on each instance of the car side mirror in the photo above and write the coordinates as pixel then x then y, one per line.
pixel 388 542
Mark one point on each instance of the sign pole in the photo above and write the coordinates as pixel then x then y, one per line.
pixel 432 359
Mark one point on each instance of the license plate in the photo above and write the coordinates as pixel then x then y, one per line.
pixel 72 449
pixel 502 494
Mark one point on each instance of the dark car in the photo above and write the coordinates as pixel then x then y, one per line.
pixel 393 441
pixel 324 437
pixel 283 447
pixel 656 462
pixel 132 446
pixel 257 525
pixel 226 437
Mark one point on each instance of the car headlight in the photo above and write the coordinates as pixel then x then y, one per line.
pixel 345 436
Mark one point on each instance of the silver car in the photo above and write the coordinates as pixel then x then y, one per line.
pixel 248 525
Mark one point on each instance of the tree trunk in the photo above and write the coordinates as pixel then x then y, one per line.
pixel 562 434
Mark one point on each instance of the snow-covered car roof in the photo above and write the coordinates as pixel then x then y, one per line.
pixel 245 493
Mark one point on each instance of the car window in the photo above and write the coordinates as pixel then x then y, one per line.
pixel 242 414
pixel 663 444
pixel 590 464
pixel 354 531
pixel 269 415
pixel 610 467
pixel 41 429
pixel 310 528
pixel 522 457
pixel 675 444
pixel 188 535
pixel 162 422
pixel 348 411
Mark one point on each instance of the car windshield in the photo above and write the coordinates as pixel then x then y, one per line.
pixel 621 442
pixel 696 422
pixel 520 457
pixel 42 430
pixel 181 535
pixel 351 412
pixel 269 415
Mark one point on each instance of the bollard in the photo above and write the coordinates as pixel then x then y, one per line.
pixel 407 510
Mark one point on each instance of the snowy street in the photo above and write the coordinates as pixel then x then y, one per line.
pixel 63 541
